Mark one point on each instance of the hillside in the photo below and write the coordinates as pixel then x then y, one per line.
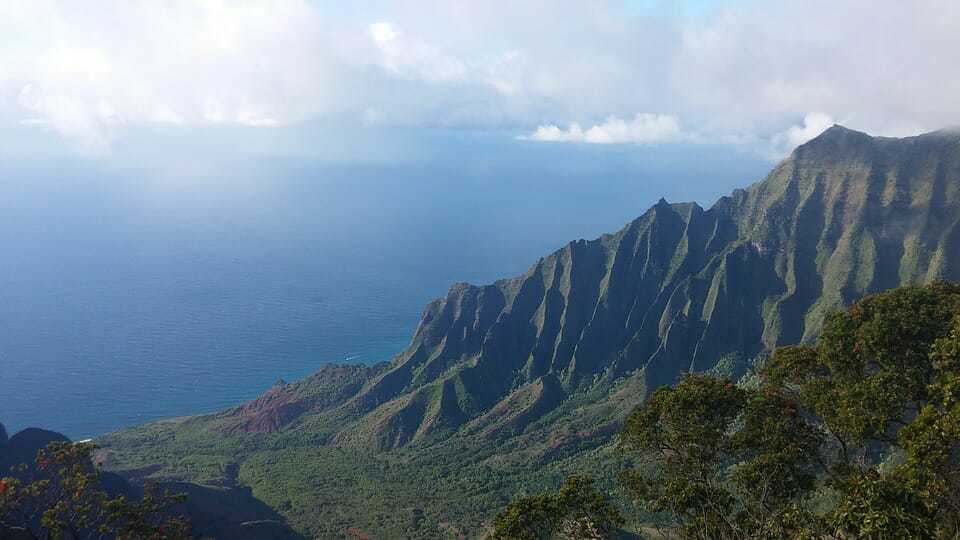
pixel 224 511
pixel 505 386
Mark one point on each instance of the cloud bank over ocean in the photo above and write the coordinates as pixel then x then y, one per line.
pixel 599 72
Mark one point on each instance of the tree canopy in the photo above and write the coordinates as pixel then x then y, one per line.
pixel 856 436
pixel 60 495
pixel 576 511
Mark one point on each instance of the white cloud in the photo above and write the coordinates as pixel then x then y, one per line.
pixel 756 70
pixel 183 62
pixel 382 32
pixel 413 58
pixel 73 118
pixel 165 116
pixel 739 72
pixel 644 128
pixel 784 142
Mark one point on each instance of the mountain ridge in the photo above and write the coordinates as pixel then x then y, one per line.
pixel 645 297
pixel 537 369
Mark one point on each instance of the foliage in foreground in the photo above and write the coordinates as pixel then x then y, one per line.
pixel 856 437
pixel 576 511
pixel 61 497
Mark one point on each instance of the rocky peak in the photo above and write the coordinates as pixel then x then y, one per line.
pixel 836 143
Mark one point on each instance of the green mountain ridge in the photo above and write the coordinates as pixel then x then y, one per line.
pixel 521 378
pixel 681 287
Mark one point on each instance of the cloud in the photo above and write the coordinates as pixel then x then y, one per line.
pixel 753 70
pixel 738 71
pixel 382 32
pixel 645 128
pixel 95 72
pixel 412 58
pixel 69 116
pixel 784 142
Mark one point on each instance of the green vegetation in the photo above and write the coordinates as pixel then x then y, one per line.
pixel 576 511
pixel 444 490
pixel 61 496
pixel 855 437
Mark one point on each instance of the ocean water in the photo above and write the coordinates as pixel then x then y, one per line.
pixel 182 283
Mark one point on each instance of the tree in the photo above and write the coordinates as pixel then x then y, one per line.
pixel 576 511
pixel 869 419
pixel 61 497
pixel 721 461
pixel 857 436
pixel 878 384
pixel 931 442
pixel 682 432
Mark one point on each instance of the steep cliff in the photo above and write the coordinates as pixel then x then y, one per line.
pixel 506 383
pixel 680 288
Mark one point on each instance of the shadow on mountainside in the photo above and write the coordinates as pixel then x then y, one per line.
pixel 218 512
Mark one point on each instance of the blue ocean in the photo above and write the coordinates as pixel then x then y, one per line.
pixel 163 284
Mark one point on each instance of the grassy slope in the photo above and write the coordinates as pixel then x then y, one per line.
pixel 440 490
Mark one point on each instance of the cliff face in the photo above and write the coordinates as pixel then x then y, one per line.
pixel 849 214
pixel 523 380
pixel 680 288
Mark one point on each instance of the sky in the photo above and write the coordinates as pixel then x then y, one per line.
pixel 85 78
